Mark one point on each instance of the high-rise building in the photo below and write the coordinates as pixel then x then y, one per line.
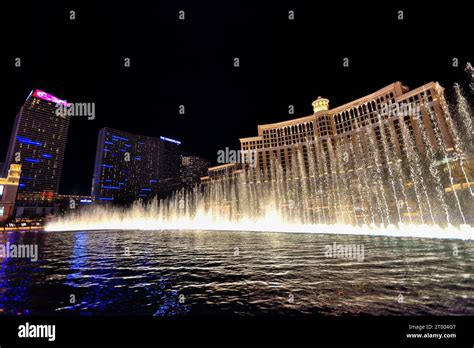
pixel 192 169
pixel 130 167
pixel 336 127
pixel 8 191
pixel 38 143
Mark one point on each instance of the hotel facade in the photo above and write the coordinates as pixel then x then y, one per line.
pixel 192 169
pixel 336 127
pixel 38 143
pixel 130 167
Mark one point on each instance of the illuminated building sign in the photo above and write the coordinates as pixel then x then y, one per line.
pixel 48 97
pixel 171 140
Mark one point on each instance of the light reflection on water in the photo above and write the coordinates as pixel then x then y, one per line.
pixel 168 273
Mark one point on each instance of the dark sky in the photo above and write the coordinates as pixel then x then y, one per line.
pixel 190 62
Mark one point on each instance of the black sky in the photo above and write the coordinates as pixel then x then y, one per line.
pixel 190 63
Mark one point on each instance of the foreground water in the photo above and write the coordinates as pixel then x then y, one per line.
pixel 168 273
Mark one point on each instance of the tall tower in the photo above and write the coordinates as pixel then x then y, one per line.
pixel 320 104
pixel 324 124
pixel 38 143
pixel 131 166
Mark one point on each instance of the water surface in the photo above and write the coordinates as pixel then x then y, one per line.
pixel 195 273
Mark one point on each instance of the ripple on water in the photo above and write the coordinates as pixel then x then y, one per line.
pixel 169 273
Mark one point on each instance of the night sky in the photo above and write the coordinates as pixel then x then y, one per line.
pixel 282 62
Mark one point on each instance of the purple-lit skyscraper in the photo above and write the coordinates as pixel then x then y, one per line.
pixel 38 143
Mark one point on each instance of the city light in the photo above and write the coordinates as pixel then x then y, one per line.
pixel 170 140
pixel 49 97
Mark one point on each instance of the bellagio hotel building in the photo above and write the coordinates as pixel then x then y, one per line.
pixel 282 140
